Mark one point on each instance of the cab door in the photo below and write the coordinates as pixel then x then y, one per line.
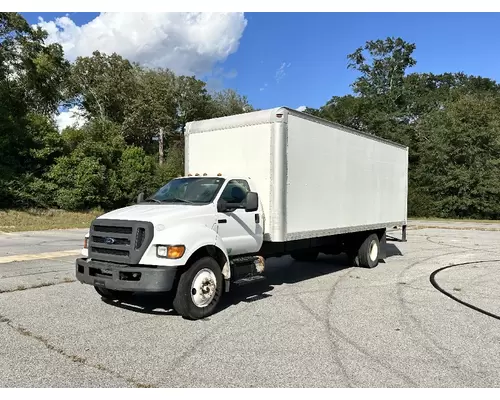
pixel 240 231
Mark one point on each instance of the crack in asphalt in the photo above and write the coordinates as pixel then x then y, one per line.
pixel 71 357
pixel 20 288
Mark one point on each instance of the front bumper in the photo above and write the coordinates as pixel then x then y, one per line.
pixel 124 277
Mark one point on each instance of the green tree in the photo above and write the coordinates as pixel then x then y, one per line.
pixel 459 165
pixel 382 65
pixel 86 176
pixel 102 86
pixel 31 78
pixel 229 102
pixel 192 103
pixel 152 110
pixel 137 172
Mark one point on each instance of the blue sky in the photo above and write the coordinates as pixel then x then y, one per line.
pixel 311 48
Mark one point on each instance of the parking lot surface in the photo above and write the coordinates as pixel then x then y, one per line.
pixel 316 324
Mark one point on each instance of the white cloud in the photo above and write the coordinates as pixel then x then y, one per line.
pixel 70 117
pixel 263 87
pixel 280 72
pixel 187 43
pixel 301 108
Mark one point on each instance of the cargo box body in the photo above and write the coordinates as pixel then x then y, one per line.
pixel 314 178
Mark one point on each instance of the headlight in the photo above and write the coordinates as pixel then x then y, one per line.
pixel 173 252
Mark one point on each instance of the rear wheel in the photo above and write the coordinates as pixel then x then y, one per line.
pixel 369 252
pixel 199 289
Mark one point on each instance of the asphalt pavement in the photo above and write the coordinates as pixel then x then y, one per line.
pixel 316 324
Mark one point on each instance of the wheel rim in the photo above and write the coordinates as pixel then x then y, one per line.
pixel 373 250
pixel 203 288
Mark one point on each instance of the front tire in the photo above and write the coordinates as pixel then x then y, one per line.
pixel 199 289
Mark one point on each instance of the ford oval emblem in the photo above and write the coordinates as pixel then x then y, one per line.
pixel 109 240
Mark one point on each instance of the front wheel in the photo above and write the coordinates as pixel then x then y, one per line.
pixel 199 289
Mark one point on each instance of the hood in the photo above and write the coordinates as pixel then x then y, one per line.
pixel 157 213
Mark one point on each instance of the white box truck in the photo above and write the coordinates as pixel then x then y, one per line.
pixel 257 185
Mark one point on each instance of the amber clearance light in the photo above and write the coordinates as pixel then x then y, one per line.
pixel 172 252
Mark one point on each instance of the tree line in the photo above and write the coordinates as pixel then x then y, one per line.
pixel 132 137
pixel 449 121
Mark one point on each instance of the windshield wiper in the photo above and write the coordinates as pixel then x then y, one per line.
pixel 175 199
pixel 183 200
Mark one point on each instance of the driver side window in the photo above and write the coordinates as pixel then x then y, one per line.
pixel 236 192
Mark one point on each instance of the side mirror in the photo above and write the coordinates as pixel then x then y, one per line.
pixel 252 203
pixel 140 198
pixel 222 206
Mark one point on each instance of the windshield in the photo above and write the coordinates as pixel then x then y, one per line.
pixel 188 191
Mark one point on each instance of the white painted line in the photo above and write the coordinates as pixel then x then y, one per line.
pixel 38 256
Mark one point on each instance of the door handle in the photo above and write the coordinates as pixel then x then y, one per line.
pixel 222 221
pixel 257 218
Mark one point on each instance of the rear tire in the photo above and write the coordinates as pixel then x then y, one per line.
pixel 369 252
pixel 305 255
pixel 199 289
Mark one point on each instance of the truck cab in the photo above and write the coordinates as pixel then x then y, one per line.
pixel 198 220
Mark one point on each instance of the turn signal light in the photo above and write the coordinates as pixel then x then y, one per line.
pixel 175 251
pixel 172 252
pixel 86 243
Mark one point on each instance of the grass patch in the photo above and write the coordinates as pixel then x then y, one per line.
pixel 36 220
pixel 477 221
pixel 455 228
